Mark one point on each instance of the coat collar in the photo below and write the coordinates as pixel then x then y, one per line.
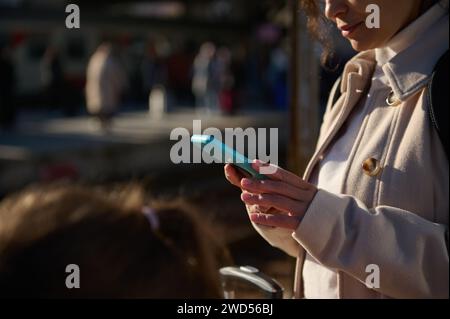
pixel 409 58
pixel 407 71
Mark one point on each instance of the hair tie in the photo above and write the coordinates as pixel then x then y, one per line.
pixel 151 216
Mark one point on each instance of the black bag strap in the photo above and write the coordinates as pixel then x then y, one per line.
pixel 438 102
pixel 437 98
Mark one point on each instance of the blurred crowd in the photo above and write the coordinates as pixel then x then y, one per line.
pixel 158 74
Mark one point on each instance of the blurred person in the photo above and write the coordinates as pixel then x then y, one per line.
pixel 136 55
pixel 277 77
pixel 124 246
pixel 254 75
pixel 155 79
pixel 369 218
pixel 153 70
pixel 158 103
pixel 179 65
pixel 53 80
pixel 203 82
pixel 7 87
pixel 238 71
pixel 226 81
pixel 105 83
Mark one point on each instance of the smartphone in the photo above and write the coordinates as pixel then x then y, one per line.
pixel 226 155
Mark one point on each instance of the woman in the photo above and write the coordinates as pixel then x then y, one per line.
pixel 374 196
pixel 106 81
pixel 122 248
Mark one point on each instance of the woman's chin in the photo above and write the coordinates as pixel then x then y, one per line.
pixel 361 45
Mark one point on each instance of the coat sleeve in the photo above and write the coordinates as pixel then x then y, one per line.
pixel 411 252
pixel 279 238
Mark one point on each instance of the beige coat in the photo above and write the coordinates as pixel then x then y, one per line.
pixel 395 212
pixel 105 82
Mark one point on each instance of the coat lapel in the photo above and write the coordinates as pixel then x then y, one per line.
pixel 356 78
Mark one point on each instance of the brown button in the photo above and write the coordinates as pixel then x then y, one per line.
pixel 392 100
pixel 371 167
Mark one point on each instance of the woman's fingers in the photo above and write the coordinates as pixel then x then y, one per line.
pixel 259 209
pixel 282 203
pixel 283 221
pixel 232 175
pixel 275 187
pixel 281 174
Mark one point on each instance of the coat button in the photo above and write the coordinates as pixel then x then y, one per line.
pixel 392 100
pixel 371 167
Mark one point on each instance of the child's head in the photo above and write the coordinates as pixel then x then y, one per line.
pixel 122 248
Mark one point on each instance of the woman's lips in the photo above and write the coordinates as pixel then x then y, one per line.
pixel 348 29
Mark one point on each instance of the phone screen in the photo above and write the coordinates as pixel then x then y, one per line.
pixel 226 154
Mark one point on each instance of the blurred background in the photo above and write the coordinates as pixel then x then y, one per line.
pixel 96 105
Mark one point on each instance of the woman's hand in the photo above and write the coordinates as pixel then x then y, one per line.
pixel 280 201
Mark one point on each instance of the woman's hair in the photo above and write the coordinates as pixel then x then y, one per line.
pixel 119 251
pixel 318 26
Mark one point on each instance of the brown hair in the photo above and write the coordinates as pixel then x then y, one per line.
pixel 318 26
pixel 42 230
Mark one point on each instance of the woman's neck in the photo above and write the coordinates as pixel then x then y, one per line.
pixel 420 8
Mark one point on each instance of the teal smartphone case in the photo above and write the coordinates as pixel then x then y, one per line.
pixel 228 155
